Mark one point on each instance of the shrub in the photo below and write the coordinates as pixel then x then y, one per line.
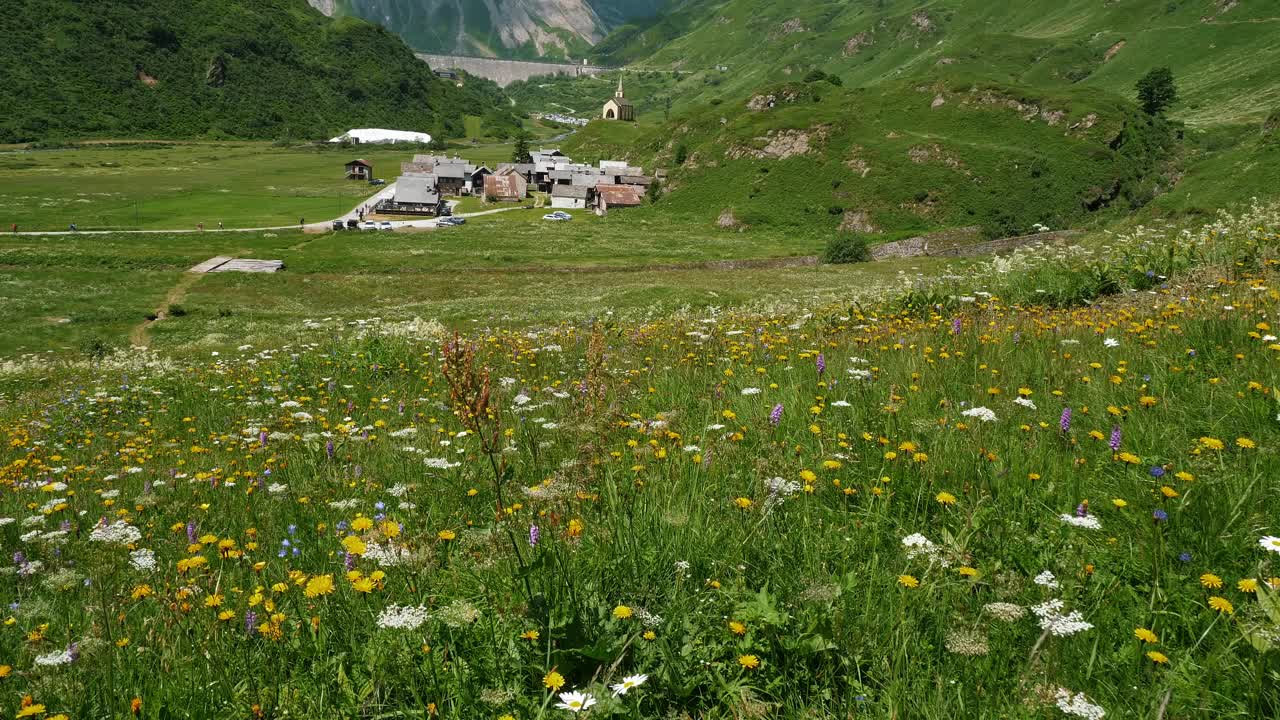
pixel 844 249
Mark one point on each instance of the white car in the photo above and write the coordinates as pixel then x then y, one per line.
pixel 384 225
pixel 558 216
pixel 369 225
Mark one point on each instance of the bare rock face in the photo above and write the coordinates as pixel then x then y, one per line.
pixel 926 154
pixel 790 27
pixel 857 221
pixel 780 144
pixel 1111 51
pixel 855 44
pixel 727 220
pixel 328 7
pixel 1222 7
pixel 857 164
pixel 938 101
pixel 762 102
pixel 511 23
pixel 921 20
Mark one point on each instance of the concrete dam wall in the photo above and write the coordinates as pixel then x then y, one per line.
pixel 505 72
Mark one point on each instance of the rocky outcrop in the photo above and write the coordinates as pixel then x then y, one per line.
pixel 933 153
pixel 1111 51
pixel 857 221
pixel 790 27
pixel 780 144
pixel 854 45
pixel 728 220
pixel 856 163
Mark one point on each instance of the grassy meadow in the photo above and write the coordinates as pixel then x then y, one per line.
pixel 1035 487
pixel 167 186
pixel 68 294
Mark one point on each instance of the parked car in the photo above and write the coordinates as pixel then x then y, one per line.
pixel 454 220
pixel 559 216
pixel 384 225
pixel 353 224
pixel 370 225
pixel 377 181
pixel 448 210
pixel 338 225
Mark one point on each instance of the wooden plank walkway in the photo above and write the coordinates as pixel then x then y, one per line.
pixel 209 264
pixel 229 264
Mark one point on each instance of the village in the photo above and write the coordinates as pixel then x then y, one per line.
pixel 431 186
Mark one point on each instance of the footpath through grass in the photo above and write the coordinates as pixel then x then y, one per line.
pixel 952 503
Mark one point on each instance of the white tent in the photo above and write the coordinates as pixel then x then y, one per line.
pixel 380 135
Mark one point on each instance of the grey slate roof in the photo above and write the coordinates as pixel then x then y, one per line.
pixel 417 189
pixel 571 191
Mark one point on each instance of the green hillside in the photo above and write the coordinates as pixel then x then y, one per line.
pixel 213 68
pixel 899 117
pixel 1223 51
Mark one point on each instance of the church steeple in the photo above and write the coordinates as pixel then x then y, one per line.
pixel 619 94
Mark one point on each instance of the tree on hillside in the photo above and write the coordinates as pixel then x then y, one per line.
pixel 1156 91
pixel 520 154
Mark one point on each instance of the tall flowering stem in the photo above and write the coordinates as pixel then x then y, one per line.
pixel 470 395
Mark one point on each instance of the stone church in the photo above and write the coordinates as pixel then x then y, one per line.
pixel 619 107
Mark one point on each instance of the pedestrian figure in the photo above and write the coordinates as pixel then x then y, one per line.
pixel 219 224
pixel 200 227
pixel 15 227
pixel 73 227
pixel 302 221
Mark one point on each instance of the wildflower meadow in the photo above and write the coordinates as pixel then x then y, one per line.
pixel 1043 489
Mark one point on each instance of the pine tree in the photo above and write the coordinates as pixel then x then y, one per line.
pixel 1156 91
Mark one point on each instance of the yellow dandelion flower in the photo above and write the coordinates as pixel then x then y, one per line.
pixel 1128 458
pixel 622 612
pixel 530 635
pixel 363 585
pixel 1146 636
pixel 945 498
pixel 353 545
pixel 1211 581
pixel 1247 585
pixel 737 628
pixel 361 524
pixel 446 535
pixel 908 581
pixel 808 476
pixel 1212 443
pixel 1119 503
pixel 1222 605
pixel 749 662
pixel 318 586
pixel 553 681
pixel 967 571
pixel 743 503
pixel 650 635
pixel 1168 491
pixel 1158 657
pixel 1245 443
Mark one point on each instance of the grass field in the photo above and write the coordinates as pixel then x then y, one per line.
pixel 177 185
pixel 956 501
pixel 512 268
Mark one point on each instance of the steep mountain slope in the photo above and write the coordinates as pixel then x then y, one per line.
pixel 1223 52
pixel 901 117
pixel 244 68
pixel 499 28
